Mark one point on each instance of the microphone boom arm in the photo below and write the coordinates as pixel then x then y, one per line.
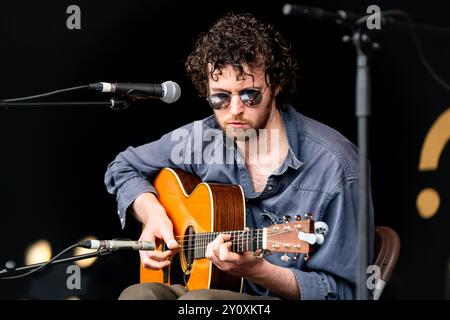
pixel 9 271
pixel 113 103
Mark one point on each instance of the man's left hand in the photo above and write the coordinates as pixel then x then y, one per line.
pixel 237 264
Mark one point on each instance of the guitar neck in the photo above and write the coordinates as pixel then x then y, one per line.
pixel 242 240
pixel 292 237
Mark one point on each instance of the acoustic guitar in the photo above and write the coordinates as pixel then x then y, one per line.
pixel 200 212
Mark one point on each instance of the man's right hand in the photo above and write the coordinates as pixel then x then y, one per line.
pixel 157 225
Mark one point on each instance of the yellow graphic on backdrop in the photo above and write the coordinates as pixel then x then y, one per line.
pixel 428 200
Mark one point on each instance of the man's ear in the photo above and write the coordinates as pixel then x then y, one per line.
pixel 277 90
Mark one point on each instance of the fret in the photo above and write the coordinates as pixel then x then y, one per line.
pixel 242 240
pixel 249 237
pixel 199 245
pixel 203 248
pixel 200 251
pixel 238 242
pixel 258 239
pixel 196 243
pixel 234 241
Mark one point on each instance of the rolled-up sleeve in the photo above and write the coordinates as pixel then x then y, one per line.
pixel 131 172
pixel 331 273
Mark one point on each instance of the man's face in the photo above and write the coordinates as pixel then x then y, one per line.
pixel 238 118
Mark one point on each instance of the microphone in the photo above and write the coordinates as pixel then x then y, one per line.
pixel 319 13
pixel 118 244
pixel 168 91
pixel 339 17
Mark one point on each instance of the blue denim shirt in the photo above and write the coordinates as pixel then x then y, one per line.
pixel 318 176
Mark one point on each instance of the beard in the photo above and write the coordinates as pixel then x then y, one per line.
pixel 252 126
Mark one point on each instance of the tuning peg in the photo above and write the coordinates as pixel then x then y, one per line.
pixel 306 257
pixel 295 257
pixel 298 217
pixel 286 218
pixel 321 227
pixel 285 258
pixel 308 216
pixel 310 238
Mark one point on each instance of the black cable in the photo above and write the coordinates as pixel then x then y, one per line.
pixel 46 94
pixel 43 266
pixel 424 61
pixel 424 27
pixel 412 27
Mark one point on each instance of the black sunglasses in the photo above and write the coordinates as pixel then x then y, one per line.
pixel 249 97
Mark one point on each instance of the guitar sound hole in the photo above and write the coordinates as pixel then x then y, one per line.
pixel 189 247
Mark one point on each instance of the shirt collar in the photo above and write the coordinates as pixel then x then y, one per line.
pixel 293 127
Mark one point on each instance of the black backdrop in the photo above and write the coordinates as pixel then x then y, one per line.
pixel 53 160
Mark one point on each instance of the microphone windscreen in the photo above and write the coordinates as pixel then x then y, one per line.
pixel 172 91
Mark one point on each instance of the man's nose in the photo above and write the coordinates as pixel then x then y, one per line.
pixel 236 105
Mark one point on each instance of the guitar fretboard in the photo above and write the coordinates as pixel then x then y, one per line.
pixel 242 240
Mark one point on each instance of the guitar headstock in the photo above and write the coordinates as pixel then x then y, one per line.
pixel 296 237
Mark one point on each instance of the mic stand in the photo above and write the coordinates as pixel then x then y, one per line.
pixel 114 104
pixel 363 44
pixel 11 269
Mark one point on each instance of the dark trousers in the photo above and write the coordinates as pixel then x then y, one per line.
pixel 159 291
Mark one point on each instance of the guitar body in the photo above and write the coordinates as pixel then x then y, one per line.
pixel 196 207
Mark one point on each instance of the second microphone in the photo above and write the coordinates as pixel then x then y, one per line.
pixel 118 244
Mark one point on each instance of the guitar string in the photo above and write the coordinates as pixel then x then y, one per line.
pixel 205 242
pixel 238 236
pixel 248 237
pixel 259 231
pixel 203 247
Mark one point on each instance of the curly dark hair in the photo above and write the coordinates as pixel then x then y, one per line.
pixel 239 39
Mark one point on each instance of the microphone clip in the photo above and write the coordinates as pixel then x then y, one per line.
pixel 121 103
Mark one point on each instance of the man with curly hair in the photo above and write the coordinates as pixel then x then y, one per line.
pixel 246 71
